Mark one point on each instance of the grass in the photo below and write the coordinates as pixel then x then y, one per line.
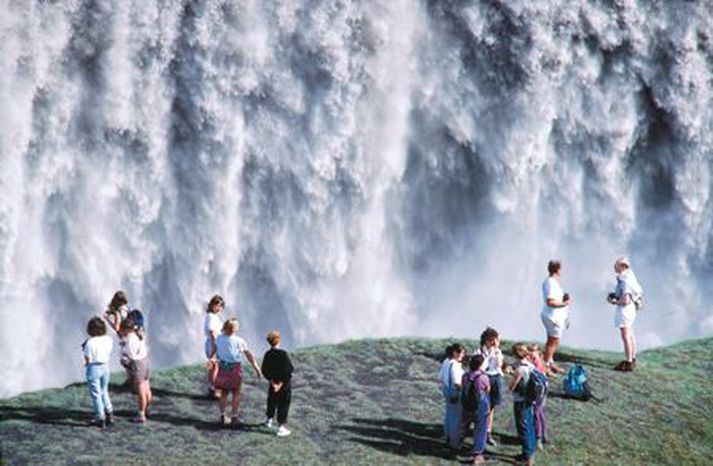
pixel 375 402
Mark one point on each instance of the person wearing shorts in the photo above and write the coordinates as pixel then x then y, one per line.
pixel 627 289
pixel 135 359
pixel 555 312
pixel 230 350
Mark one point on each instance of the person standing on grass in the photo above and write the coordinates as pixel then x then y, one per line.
pixel 523 409
pixel 97 349
pixel 555 312
pixel 451 379
pixel 135 359
pixel 476 384
pixel 231 349
pixel 538 407
pixel 490 349
pixel 628 290
pixel 212 326
pixel 277 369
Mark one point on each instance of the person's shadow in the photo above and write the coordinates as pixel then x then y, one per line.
pixel 404 437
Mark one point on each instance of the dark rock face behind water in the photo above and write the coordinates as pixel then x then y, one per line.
pixel 406 162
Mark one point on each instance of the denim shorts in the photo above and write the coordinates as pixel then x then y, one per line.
pixel 496 390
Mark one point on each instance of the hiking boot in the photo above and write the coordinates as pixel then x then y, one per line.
pixel 620 366
pixel 491 441
pixel 628 367
pixel 283 431
pixel 109 418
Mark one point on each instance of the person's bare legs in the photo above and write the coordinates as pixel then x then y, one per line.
pixel 626 338
pixel 550 349
pixel 235 405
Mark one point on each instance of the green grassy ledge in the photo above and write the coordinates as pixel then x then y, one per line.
pixel 376 402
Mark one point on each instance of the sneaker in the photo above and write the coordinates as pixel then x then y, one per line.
pixel 109 417
pixel 628 367
pixel 225 420
pixel 101 423
pixel 283 431
pixel 139 419
pixel 491 441
pixel 270 423
pixel 540 445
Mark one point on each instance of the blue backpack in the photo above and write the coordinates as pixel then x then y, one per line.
pixel 537 387
pixel 576 385
pixel 137 318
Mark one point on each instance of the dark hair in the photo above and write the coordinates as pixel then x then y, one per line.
pixel 216 299
pixel 449 351
pixel 476 361
pixel 553 267
pixel 457 348
pixel 118 300
pixel 488 334
pixel 96 327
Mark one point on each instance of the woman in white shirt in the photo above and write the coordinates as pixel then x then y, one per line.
pixel 627 289
pixel 555 312
pixel 212 326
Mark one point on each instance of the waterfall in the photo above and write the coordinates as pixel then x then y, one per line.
pixel 340 169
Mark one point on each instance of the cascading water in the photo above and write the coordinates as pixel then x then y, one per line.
pixel 340 169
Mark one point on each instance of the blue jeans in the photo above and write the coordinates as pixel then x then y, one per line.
pixel 525 423
pixel 98 382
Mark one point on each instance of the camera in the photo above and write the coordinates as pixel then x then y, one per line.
pixel 565 297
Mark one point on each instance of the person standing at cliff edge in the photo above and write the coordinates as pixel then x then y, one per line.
pixel 555 312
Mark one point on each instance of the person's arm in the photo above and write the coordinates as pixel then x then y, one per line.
pixel 289 368
pixel 552 302
pixel 515 380
pixel 253 362
pixel 213 347
pixel 86 360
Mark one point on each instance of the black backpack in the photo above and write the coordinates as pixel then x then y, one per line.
pixel 537 387
pixel 470 398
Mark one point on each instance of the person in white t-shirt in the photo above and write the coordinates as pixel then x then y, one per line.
pixel 212 326
pixel 97 349
pixel 230 349
pixel 555 312
pixel 627 290
pixel 117 310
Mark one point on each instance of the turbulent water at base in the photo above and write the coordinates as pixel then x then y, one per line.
pixel 342 169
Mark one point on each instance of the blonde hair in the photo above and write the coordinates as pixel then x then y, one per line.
pixel 273 338
pixel 623 260
pixel 532 347
pixel 520 350
pixel 230 326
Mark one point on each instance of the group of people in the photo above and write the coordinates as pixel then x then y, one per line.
pixel 225 350
pixel 471 396
pixel 483 383
pixel 627 298
pixel 97 348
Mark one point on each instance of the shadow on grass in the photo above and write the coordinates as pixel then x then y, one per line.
pixel 400 437
pixel 583 360
pixel 47 415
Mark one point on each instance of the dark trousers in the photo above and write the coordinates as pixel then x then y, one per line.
pixel 279 402
pixel 525 423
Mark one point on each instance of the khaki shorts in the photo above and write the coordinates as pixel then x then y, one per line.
pixel 138 371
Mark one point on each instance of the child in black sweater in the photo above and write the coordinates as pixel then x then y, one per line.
pixel 277 369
